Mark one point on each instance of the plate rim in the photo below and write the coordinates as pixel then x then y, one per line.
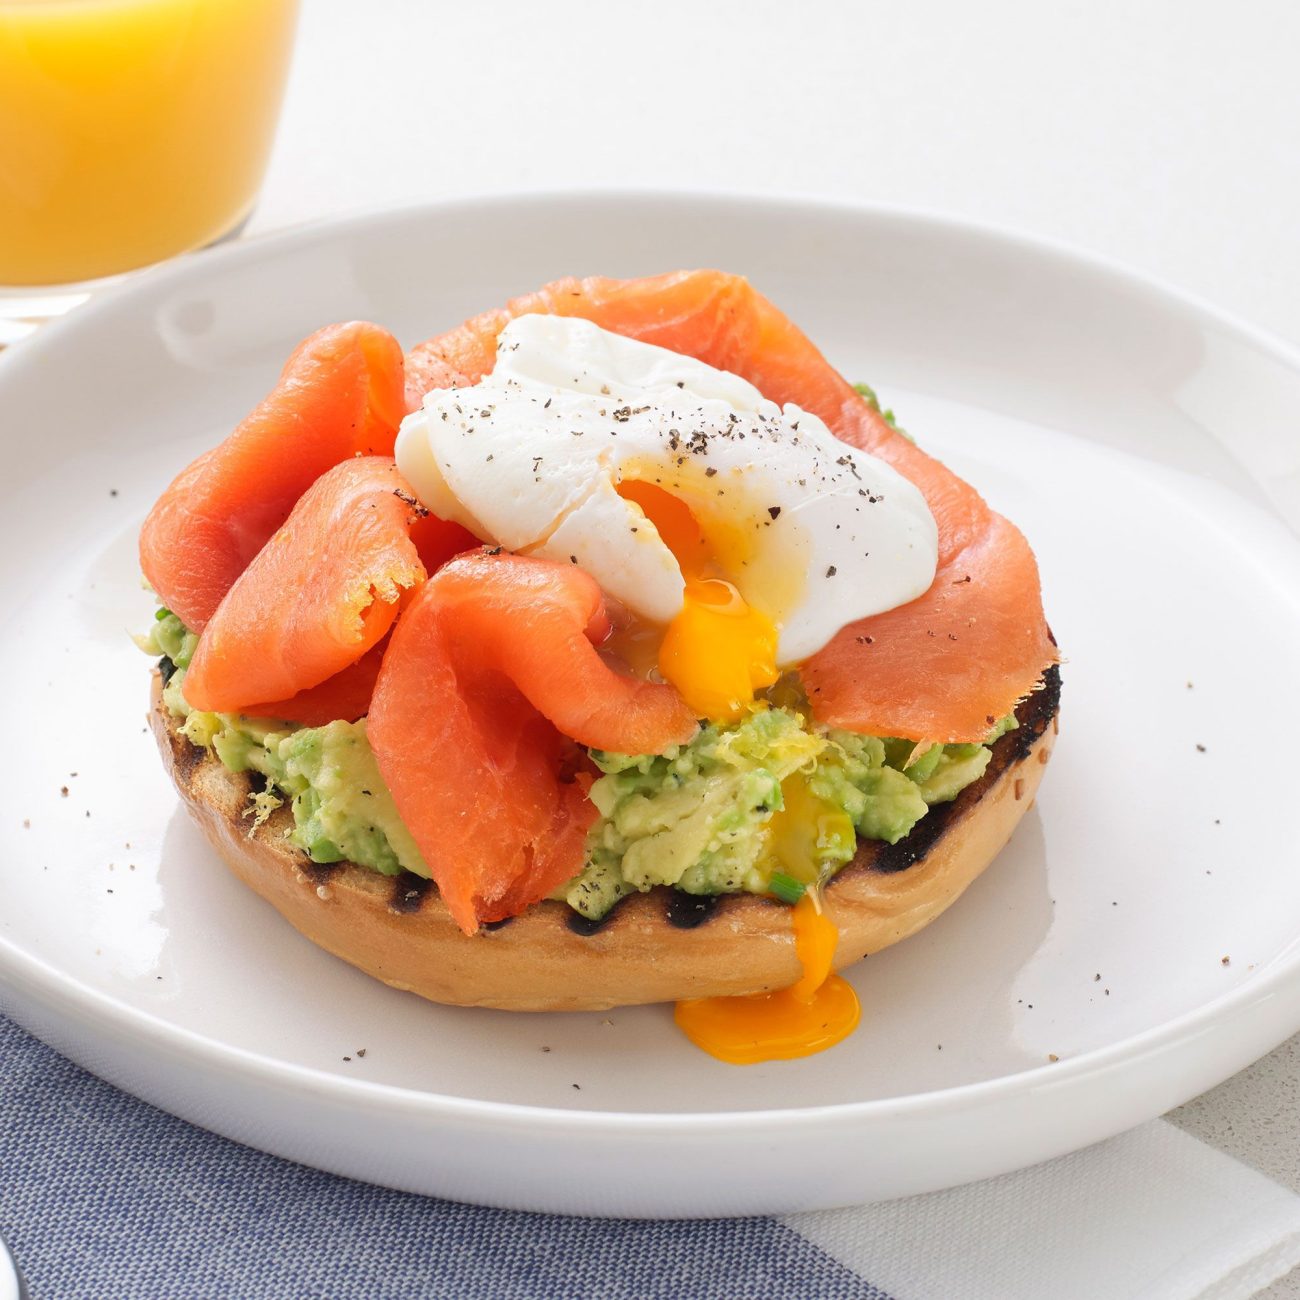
pixel 21 970
pixel 363 216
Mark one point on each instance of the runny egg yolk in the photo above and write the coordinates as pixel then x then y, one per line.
pixel 718 650
pixel 820 1009
pixel 803 824
pixel 814 1013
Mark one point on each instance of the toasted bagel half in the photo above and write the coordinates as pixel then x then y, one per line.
pixel 657 947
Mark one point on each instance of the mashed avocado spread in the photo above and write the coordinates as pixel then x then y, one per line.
pixel 341 807
pixel 769 804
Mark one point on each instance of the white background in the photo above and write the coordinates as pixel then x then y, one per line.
pixel 1165 134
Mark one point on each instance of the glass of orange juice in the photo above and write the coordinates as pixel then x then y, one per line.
pixel 131 130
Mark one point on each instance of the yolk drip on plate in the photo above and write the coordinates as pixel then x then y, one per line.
pixel 719 649
pixel 816 1012
pixel 819 1009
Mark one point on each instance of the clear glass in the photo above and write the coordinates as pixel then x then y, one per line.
pixel 130 131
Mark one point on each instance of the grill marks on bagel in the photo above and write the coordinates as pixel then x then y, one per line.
pixel 1035 715
pixel 410 893
pixel 399 930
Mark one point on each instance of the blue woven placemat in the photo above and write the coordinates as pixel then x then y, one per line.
pixel 103 1196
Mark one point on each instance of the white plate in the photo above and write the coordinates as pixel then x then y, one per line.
pixel 11 1284
pixel 1141 926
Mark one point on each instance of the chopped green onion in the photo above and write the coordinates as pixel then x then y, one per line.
pixel 786 888
pixel 161 613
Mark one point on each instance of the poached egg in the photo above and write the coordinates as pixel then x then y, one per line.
pixel 734 536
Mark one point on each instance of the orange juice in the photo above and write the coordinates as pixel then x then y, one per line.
pixel 131 130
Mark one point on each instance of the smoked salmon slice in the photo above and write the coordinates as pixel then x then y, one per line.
pixel 940 668
pixel 340 395
pixel 491 675
pixel 437 540
pixel 317 597
pixel 344 697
